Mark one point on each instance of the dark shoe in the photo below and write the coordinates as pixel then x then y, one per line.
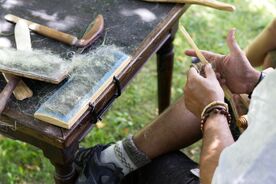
pixel 92 171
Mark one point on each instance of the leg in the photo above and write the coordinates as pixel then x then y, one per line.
pixel 174 129
pixel 264 43
pixel 165 58
pixel 62 159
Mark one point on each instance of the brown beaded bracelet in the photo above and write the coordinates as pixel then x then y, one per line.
pixel 215 110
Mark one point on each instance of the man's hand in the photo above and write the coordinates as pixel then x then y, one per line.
pixel 239 75
pixel 200 91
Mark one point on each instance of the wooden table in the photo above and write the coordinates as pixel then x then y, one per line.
pixel 141 29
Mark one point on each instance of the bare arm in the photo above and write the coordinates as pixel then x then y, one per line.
pixel 240 77
pixel 199 92
pixel 216 137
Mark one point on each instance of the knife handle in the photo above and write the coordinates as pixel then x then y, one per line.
pixel 214 4
pixel 210 3
pixel 45 31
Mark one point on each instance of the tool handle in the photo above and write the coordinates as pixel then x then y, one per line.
pixel 45 31
pixel 7 91
pixel 210 3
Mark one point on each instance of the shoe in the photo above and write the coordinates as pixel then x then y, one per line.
pixel 92 171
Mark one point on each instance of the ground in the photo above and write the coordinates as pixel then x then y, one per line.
pixel 21 163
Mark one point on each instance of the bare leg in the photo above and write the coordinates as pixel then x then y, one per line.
pixel 174 129
pixel 264 43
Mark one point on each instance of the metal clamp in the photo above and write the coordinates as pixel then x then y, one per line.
pixel 98 116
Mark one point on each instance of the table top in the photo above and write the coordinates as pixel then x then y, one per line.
pixel 136 27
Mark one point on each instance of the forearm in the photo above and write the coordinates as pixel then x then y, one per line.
pixel 216 137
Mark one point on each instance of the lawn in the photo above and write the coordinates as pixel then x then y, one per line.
pixel 22 163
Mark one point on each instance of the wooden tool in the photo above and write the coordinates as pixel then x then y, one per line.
pixel 23 42
pixel 85 85
pixel 210 3
pixel 22 91
pixel 38 65
pixel 95 29
pixel 227 92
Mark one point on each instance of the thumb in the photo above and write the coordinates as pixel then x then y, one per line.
pixel 233 46
pixel 209 72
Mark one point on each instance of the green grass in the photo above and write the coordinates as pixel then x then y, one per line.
pixel 21 163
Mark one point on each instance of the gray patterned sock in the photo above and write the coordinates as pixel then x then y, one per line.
pixel 125 154
pixel 138 157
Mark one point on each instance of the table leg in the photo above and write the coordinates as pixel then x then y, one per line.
pixel 64 173
pixel 165 57
pixel 62 159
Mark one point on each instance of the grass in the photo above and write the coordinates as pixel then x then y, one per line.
pixel 22 163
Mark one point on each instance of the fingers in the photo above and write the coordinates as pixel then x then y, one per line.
pixel 193 74
pixel 210 56
pixel 209 72
pixel 190 52
pixel 232 43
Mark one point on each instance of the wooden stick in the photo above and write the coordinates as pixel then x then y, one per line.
pixel 193 45
pixel 210 3
pixel 227 92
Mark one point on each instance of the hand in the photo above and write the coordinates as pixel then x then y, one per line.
pixel 200 91
pixel 239 75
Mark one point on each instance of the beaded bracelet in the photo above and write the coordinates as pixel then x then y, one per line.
pixel 212 105
pixel 215 110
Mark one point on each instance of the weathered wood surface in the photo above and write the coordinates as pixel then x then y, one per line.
pixel 137 27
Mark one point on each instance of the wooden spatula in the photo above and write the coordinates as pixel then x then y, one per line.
pixel 23 42
pixel 22 91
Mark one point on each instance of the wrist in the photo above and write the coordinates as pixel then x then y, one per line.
pixel 214 109
pixel 253 79
pixel 215 120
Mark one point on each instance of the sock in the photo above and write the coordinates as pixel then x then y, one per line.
pixel 125 154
